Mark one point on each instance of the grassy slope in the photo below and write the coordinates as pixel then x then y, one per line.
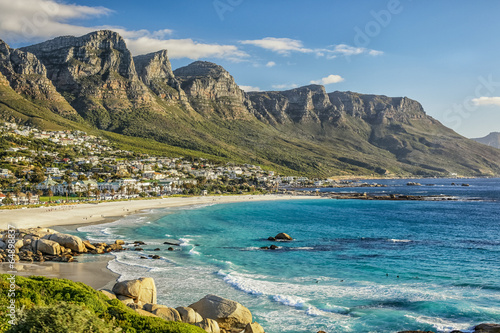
pixel 352 146
pixel 41 291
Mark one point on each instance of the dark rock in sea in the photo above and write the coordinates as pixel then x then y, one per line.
pixel 172 242
pixel 138 249
pixel 170 248
pixel 283 236
pixel 157 249
pixel 139 243
pixel 265 247
pixel 272 239
pixel 416 332
pixel 413 184
pixel 464 184
pixel 273 247
pixel 156 256
pixel 487 328
pixel 455 331
pixel 143 257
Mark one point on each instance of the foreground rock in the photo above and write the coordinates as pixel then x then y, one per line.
pixel 209 325
pixel 46 246
pixel 229 314
pixel 140 290
pixel 254 328
pixel 188 315
pixel 72 242
pixel 487 328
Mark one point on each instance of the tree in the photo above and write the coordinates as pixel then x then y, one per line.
pixel 37 176
pixel 29 195
pixel 51 194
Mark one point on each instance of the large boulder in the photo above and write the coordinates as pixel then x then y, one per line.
pixel 229 314
pixel 209 325
pixel 254 328
pixel 46 246
pixel 72 242
pixel 143 289
pixel 169 314
pixel 108 293
pixel 283 236
pixel 487 328
pixel 188 315
pixel 145 313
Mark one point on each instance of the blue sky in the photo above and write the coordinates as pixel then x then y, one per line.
pixel 445 54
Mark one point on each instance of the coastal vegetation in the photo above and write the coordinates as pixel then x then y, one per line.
pixel 60 305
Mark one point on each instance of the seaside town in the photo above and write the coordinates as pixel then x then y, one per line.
pixel 70 166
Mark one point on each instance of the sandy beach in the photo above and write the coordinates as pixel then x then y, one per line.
pixel 95 272
pixel 109 211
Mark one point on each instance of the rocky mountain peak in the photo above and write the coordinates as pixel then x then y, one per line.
pixel 155 70
pixel 212 90
pixel 153 66
pixel 27 75
pixel 70 58
pixel 201 69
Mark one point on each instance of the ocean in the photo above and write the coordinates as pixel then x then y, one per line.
pixel 353 266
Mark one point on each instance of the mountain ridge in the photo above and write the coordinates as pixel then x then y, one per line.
pixel 492 140
pixel 201 108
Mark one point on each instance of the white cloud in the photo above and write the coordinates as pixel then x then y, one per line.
pixel 486 101
pixel 285 46
pixel 29 20
pixel 37 20
pixel 271 64
pixel 249 88
pixel 285 86
pixel 346 51
pixel 280 45
pixel 184 48
pixel 329 80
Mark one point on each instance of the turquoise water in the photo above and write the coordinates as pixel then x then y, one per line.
pixel 354 266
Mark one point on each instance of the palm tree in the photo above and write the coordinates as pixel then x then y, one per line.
pixel 29 195
pixel 17 192
pixel 88 192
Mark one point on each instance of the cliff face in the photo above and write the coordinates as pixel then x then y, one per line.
pixel 155 71
pixel 311 104
pixel 95 73
pixel 212 90
pixel 28 76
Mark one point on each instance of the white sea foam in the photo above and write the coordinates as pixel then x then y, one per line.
pixel 400 240
pixel 442 325
pixel 194 252
pixel 185 241
pixel 239 283
pixel 292 301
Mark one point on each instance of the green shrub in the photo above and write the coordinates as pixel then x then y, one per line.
pixel 62 318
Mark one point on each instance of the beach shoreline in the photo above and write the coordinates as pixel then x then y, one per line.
pixel 96 273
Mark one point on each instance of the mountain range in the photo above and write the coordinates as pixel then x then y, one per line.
pixel 492 139
pixel 93 83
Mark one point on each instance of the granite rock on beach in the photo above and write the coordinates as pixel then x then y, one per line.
pixel 44 244
pixel 212 313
